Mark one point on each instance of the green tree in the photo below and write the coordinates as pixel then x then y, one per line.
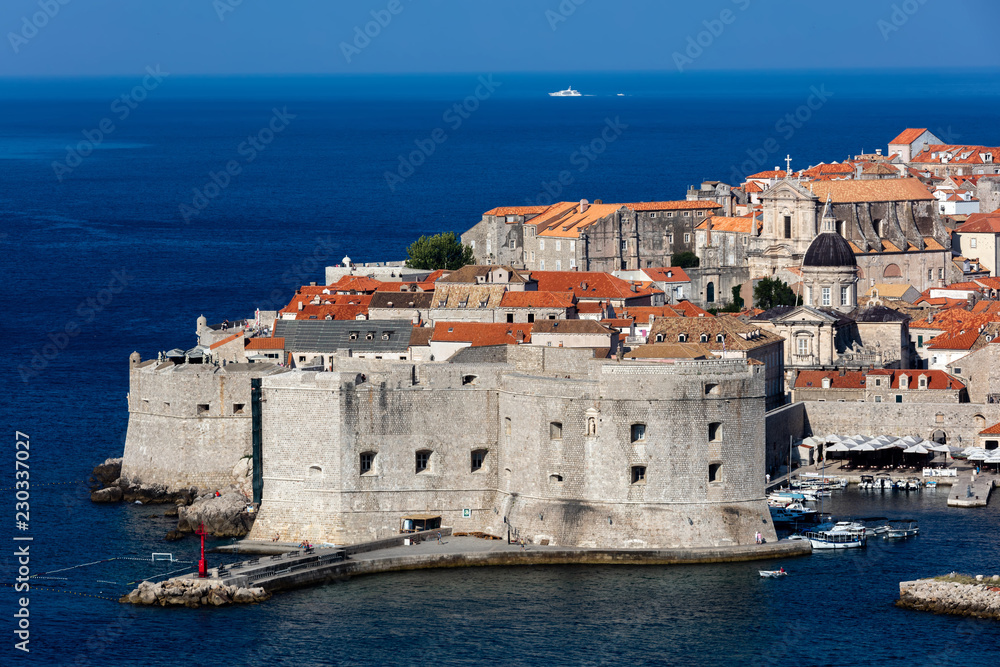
pixel 771 292
pixel 684 260
pixel 736 305
pixel 441 251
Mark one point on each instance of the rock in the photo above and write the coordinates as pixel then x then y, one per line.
pixel 979 577
pixel 171 512
pixel 218 598
pixel 243 595
pixel 106 474
pixel 173 536
pixel 110 495
pixel 223 516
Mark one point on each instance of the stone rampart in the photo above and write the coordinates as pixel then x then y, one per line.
pixel 616 455
pixel 189 425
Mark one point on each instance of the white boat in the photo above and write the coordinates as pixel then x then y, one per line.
pixel 932 484
pixel 836 539
pixel 793 496
pixel 792 512
pixel 569 92
pixel 773 574
pixel 903 530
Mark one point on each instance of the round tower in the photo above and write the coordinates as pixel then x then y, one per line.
pixel 134 359
pixel 829 268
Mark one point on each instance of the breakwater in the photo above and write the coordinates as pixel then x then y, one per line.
pixel 310 567
pixel 977 596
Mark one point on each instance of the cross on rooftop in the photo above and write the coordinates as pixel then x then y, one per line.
pixel 788 164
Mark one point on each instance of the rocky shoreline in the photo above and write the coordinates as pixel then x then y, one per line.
pixel 977 596
pixel 224 515
pixel 192 593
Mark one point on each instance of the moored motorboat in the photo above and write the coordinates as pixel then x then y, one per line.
pixel 837 539
pixel 902 529
pixel 791 513
pixel 773 574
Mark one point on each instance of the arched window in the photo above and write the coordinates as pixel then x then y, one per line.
pixel 682 338
pixel 710 292
pixel 719 338
pixel 892 271
pixel 315 473
pixel 506 425
pixel 659 338
pixel 704 338
pixel 591 426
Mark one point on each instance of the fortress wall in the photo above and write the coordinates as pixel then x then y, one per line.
pixel 596 469
pixel 330 422
pixel 326 421
pixel 302 463
pixel 172 442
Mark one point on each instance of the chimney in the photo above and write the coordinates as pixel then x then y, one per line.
pixel 632 285
pixel 857 170
pixel 584 205
pixel 312 284
pixel 878 151
pixel 843 372
pixel 301 305
pixel 520 336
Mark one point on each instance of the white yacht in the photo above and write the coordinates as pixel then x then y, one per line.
pixel 569 92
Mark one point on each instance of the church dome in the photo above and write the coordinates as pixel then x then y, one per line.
pixel 829 249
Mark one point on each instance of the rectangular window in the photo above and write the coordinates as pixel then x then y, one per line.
pixel 972 243
pixel 558 265
pixel 803 346
pixel 202 408
pixel 670 238
pixel 878 399
pixel 920 341
pixel 638 474
pixel 367 462
pixel 558 245
pixel 489 245
pixel 826 296
pixel 541 264
pixel 940 274
pixel 715 432
pixel 715 473
pixel 845 295
pixel 513 244
pixel 638 432
pixel 572 263
pixel 687 214
pixel 572 246
pixel 423 460
pixel 788 226
pixel 555 430
pixel 899 398
pixel 541 244
pixel 478 457
pixel 670 214
pixel 957 370
pixel 238 408
pixel 510 318
pixel 624 245
pixel 687 238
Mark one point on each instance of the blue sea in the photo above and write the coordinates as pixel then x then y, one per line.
pixel 131 206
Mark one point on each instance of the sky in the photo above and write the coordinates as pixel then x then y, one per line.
pixel 72 38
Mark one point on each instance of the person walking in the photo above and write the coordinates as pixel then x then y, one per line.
pixel 439 537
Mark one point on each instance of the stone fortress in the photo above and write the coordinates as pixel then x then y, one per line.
pixel 549 443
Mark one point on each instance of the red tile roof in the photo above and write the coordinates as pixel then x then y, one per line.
pixel 262 343
pixel 981 223
pixel 641 314
pixel 359 284
pixel 855 379
pixel 480 334
pixel 537 300
pixel 589 285
pixel 886 189
pixel 659 274
pixel 227 339
pixel 772 173
pixel 335 312
pixel 991 430
pixel 672 205
pixel 908 136
pixel 963 339
pixel 688 309
pixel 516 210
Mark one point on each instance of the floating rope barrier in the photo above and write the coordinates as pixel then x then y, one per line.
pixel 37 484
pixel 62 590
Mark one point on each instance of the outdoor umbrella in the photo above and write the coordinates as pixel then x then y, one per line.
pixel 978 455
pixel 863 447
pixel 937 448
pixel 916 449
pixel 838 447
